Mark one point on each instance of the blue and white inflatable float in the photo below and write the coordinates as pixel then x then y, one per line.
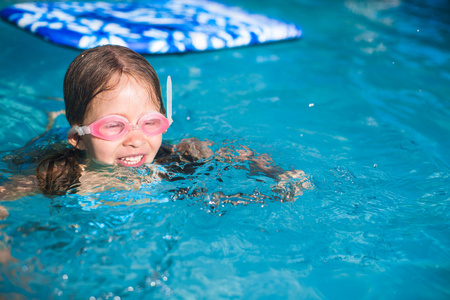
pixel 153 27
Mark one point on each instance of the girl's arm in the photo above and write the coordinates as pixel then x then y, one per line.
pixel 18 186
pixel 289 183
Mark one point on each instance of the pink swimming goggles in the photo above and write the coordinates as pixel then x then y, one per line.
pixel 114 127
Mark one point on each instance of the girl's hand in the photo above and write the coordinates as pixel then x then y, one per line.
pixel 292 183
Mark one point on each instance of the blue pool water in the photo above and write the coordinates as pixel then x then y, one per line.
pixel 360 104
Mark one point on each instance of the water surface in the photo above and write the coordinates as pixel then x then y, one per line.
pixel 360 104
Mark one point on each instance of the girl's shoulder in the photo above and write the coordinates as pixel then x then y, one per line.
pixel 187 150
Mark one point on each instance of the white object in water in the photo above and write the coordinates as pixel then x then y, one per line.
pixel 169 99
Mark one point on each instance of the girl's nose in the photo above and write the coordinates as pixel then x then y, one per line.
pixel 134 138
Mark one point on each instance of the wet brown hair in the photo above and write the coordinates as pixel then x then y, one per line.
pixel 59 172
pixel 92 72
pixel 99 69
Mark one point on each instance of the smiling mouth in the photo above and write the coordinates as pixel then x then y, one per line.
pixel 131 161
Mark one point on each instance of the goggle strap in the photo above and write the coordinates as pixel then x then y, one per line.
pixel 169 99
pixel 80 130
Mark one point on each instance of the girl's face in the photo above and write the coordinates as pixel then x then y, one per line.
pixel 131 100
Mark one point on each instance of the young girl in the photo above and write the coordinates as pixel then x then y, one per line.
pixel 114 106
pixel 115 109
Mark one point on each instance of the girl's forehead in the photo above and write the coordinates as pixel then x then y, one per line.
pixel 126 83
pixel 126 96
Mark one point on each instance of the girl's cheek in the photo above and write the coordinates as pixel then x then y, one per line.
pixel 102 151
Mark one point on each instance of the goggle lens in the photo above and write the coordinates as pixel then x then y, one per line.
pixel 152 126
pixel 111 128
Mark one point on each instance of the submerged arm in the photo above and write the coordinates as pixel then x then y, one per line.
pixel 17 187
pixel 289 184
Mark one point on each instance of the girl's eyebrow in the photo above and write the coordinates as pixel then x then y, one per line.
pixel 117 114
pixel 123 115
pixel 106 115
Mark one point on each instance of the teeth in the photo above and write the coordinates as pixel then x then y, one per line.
pixel 132 160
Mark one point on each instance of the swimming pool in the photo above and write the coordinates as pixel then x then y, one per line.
pixel 360 104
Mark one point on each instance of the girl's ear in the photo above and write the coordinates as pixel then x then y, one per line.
pixel 76 141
